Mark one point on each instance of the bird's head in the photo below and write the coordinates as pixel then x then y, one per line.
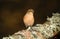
pixel 30 11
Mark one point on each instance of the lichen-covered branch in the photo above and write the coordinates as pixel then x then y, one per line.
pixel 40 31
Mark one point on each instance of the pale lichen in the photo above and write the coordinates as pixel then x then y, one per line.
pixel 40 31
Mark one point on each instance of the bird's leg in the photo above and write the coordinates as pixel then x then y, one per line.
pixel 28 28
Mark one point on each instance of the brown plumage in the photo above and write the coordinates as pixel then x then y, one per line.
pixel 29 18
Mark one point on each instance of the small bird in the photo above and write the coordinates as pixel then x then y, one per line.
pixel 28 19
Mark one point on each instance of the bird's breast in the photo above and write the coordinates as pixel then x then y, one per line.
pixel 28 20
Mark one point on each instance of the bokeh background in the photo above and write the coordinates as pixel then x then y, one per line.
pixel 12 12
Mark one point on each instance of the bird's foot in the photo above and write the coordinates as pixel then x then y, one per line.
pixel 28 28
